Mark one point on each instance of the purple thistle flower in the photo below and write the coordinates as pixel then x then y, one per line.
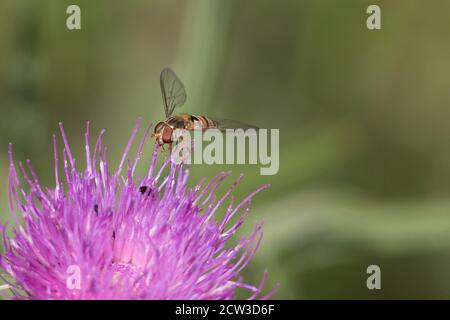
pixel 124 237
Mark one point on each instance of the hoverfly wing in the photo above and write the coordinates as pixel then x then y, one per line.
pixel 172 90
pixel 223 124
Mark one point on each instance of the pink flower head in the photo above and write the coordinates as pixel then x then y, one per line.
pixel 108 235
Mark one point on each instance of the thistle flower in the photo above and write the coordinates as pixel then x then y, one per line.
pixel 103 235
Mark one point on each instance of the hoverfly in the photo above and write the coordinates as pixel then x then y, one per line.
pixel 174 96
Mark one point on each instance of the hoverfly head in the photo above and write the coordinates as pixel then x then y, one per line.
pixel 163 133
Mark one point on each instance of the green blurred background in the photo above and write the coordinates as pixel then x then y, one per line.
pixel 363 115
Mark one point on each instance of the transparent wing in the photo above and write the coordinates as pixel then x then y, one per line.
pixel 172 90
pixel 223 124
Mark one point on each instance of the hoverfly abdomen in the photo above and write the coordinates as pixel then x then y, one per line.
pixel 203 122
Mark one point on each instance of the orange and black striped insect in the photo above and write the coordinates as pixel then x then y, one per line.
pixel 174 96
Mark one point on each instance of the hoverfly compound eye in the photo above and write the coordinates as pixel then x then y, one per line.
pixel 167 134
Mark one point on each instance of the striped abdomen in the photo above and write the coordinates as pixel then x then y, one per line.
pixel 203 122
pixel 190 122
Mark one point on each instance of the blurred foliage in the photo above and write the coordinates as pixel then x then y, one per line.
pixel 363 115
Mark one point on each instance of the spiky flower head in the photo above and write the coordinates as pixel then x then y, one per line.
pixel 111 235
